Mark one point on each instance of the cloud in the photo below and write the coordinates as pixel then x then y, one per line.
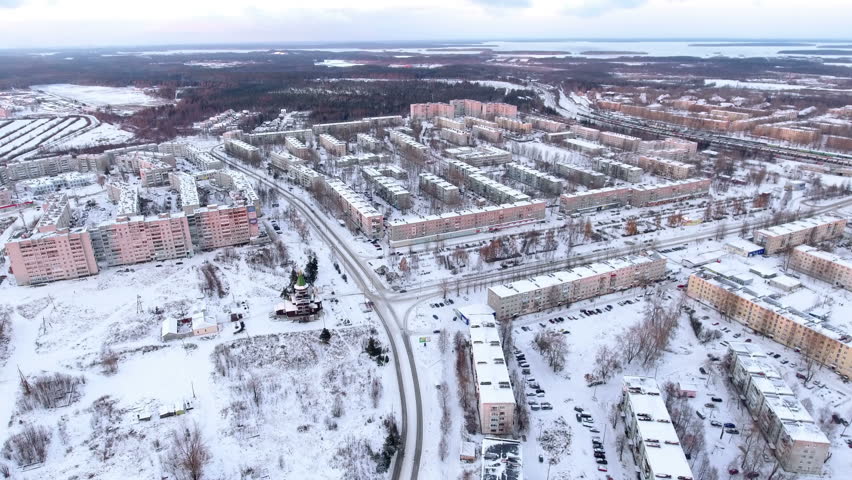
pixel 504 3
pixel 595 8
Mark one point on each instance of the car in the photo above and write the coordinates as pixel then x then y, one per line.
pixel 716 399
pixel 436 332
pixel 534 406
pixel 748 340
pixel 403 291
pixel 601 461
pixel 681 286
pixel 717 323
pixel 542 325
pixel 578 409
pixel 732 431
pixel 777 355
pixel 738 335
pixel 700 415
pixel 702 370
pixel 710 405
pixel 713 423
pixel 523 364
pixel 751 475
pixel 733 471
pixel 579 418
pixel 601 468
pixel 239 327
pixel 730 425
pixel 546 406
pixel 541 459
pixel 599 454
pixel 540 394
pixel 530 394
pixel 525 371
pixel 598 310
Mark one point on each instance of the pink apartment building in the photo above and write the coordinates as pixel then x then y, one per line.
pixel 810 230
pixel 50 256
pixel 138 239
pixel 431 110
pixel 217 226
pixel 822 265
pixel 513 124
pixel 484 110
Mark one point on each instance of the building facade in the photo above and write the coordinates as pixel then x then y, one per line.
pixel 812 230
pixel 822 265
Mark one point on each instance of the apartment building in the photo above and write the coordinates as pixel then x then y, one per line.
pixel 42 185
pixel 491 376
pixel 471 122
pixel 651 436
pixel 49 256
pixel 579 145
pixel 305 176
pixel 666 168
pixel 217 226
pixel 342 128
pixel 332 145
pixel 581 175
pixel 361 159
pixel 489 134
pixel 356 209
pixel 111 154
pixel 444 122
pixel 547 291
pixel 620 141
pixel 789 133
pixel 811 230
pixel 284 160
pixel 369 142
pixel 242 150
pixel 439 188
pixel 661 193
pixel 586 133
pixel 385 121
pixel 387 189
pixel 481 156
pixel 297 147
pixel 670 148
pixel 777 314
pixel 486 110
pixel 475 180
pixel 619 170
pixel 465 222
pixel 513 125
pixel 154 172
pixel 424 111
pixel 454 136
pixel 595 200
pixel 546 125
pixel 408 145
pixel 187 193
pixel 274 137
pixel 200 159
pixel 535 178
pixel 42 167
pixel 125 196
pixel 825 266
pixel 137 239
pixel 239 189
pixel 800 446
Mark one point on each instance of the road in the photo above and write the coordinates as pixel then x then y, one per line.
pixel 406 464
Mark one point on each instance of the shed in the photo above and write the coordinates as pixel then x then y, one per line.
pixel 467 452
pixel 785 282
pixel 201 325
pixel 686 389
pixel 170 330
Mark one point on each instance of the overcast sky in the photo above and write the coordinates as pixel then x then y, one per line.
pixel 57 23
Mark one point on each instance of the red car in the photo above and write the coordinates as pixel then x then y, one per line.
pixel 733 471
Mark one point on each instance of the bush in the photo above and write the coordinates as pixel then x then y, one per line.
pixel 29 446
pixel 48 391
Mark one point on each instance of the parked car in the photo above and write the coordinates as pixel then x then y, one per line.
pixel 601 461
pixel 578 409
pixel 546 406
pixel 732 431
pixel 710 405
pixel 715 423
pixel 730 425
pixel 733 471
pixel 700 415
pixel 702 370
pixel 716 399
pixel 599 454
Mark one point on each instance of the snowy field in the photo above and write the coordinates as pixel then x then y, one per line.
pixel 121 98
pixel 20 138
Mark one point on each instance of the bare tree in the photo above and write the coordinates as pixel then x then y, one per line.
pixel 188 454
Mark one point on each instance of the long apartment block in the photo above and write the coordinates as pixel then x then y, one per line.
pixel 444 122
pixel 825 266
pixel 800 445
pixel 491 375
pixel 408 145
pixel 332 145
pixel 779 315
pixel 455 136
pixel 514 125
pixel 651 436
pixel 297 147
pixel 368 142
pixel 811 230
pixel 486 110
pixel 619 170
pixel 481 156
pixel 546 125
pixel 439 188
pixel 475 180
pixel 464 222
pixel 663 167
pixel 637 196
pixel 558 288
pixel 242 150
pixel 581 175
pixel 356 208
pixel 544 182
pixel 387 188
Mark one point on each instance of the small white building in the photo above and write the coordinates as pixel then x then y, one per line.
pixel 743 247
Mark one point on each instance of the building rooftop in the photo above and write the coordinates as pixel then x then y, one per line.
pixel 830 257
pixel 567 276
pixel 798 225
pixel 489 363
pixel 471 211
pixel 655 430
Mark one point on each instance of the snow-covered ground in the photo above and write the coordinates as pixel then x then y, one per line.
pixel 100 96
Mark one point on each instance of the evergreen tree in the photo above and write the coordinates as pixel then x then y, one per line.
pixel 311 270
pixel 325 336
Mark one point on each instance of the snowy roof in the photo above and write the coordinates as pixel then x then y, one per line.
pixel 798 225
pixel 501 459
pixel 663 452
pixel 743 244
pixel 830 257
pixel 568 276
pixel 489 363
pixel 583 144
pixel 472 211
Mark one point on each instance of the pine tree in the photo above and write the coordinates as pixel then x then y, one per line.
pixel 325 336
pixel 311 270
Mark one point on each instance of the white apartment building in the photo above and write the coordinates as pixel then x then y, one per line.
pixel 297 147
pixel 408 145
pixel 535 178
pixel 825 266
pixel 455 136
pixel 810 230
pixel 651 436
pixel 546 291
pixel 284 160
pixel 369 142
pixel 493 387
pixel 481 156
pixel 619 170
pixel 489 134
pixel 581 175
pixel 387 189
pixel 800 446
pixel 242 150
pixel 332 145
pixel 439 188
pixel 304 176
pixel 356 209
